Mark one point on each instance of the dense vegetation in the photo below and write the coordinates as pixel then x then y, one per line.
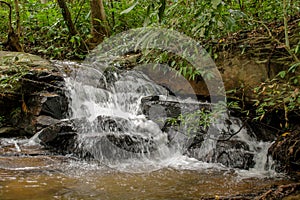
pixel 268 29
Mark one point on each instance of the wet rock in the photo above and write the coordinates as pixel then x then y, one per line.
pixel 43 121
pixel 160 108
pixel 114 147
pixel 155 108
pixel 106 136
pixel 133 143
pixel 231 153
pixel 54 106
pixel 51 133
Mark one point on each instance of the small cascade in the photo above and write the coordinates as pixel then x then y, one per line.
pixel 114 130
pixel 117 132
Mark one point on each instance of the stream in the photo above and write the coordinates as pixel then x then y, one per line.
pixel 36 174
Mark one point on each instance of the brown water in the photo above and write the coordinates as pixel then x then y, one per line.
pixel 28 172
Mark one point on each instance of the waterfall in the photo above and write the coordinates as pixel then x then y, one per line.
pixel 116 105
pixel 117 133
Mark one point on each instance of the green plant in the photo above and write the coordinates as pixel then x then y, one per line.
pixel 199 120
pixel 279 94
pixel 11 73
pixel 2 120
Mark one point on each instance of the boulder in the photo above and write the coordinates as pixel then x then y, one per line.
pixel 43 121
pixel 37 90
pixel 160 108
pixel 51 104
pixel 105 138
pixel 237 71
pixel 231 153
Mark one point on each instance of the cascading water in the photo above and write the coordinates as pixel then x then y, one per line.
pixel 117 104
pixel 125 138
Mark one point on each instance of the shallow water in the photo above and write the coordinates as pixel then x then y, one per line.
pixel 29 172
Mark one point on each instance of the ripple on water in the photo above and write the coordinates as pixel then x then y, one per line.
pixel 40 175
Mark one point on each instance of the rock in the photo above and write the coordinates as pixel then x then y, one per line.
pixel 262 132
pixel 54 105
pixel 115 147
pixel 160 108
pixel 24 58
pixel 9 132
pixel 39 90
pixel 50 133
pixel 43 121
pixel 240 71
pixel 106 137
pixel 237 71
pixel 230 153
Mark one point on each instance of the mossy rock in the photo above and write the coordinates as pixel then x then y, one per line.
pixel 16 65
pixel 24 78
pixel 24 59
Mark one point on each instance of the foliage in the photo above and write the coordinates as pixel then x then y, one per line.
pixel 192 122
pixel 280 94
pixel 199 120
pixel 11 73
pixel 211 22
pixel 45 32
pixel 2 120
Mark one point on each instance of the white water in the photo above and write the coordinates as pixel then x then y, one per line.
pixel 91 95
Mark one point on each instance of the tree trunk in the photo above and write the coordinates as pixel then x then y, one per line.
pixel 13 39
pixel 98 20
pixel 17 10
pixel 67 17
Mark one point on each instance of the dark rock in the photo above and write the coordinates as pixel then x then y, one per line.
pixel 54 106
pixel 114 147
pixel 39 111
pixel 48 135
pixel 105 138
pixel 155 108
pixel 230 153
pixel 9 132
pixel 263 132
pixel 111 74
pixel 43 121
pixel 160 108
pixel 133 143
pixel 38 91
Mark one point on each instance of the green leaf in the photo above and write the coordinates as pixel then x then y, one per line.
pixel 294 67
pixel 215 3
pixel 282 74
pixel 129 9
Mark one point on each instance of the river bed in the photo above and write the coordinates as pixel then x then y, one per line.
pixel 27 171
